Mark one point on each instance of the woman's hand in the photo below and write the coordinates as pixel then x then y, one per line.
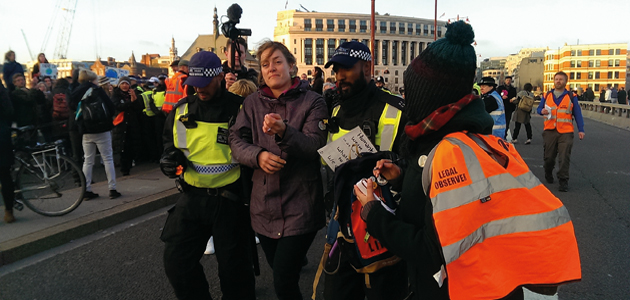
pixel 270 163
pixel 133 95
pixel 386 169
pixel 273 124
pixel 364 199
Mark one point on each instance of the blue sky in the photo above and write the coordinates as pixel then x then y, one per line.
pixel 116 27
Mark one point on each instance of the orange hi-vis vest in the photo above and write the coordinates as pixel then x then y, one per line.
pixel 498 226
pixel 561 115
pixel 174 91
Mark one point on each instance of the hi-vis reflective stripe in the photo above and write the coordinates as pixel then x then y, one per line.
pixel 526 223
pixel 388 131
pixel 181 141
pixel 213 169
pixel 481 186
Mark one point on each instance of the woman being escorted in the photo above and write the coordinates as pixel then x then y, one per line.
pixel 286 201
pixel 523 117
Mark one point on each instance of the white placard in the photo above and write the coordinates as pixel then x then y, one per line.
pixel 114 74
pixel 346 147
pixel 48 70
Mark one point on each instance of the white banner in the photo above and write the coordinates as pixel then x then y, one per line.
pixel 49 70
pixel 345 148
pixel 114 74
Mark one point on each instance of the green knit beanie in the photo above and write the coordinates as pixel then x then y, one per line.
pixel 442 74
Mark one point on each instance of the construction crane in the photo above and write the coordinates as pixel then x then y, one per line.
pixel 27 45
pixel 65 8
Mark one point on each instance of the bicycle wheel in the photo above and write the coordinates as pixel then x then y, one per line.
pixel 51 187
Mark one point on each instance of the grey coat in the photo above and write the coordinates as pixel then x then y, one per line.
pixel 289 202
pixel 521 116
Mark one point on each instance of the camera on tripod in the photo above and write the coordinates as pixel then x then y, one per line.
pixel 229 28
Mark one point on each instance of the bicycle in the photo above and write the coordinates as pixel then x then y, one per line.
pixel 46 181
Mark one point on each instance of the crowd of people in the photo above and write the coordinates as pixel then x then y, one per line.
pixel 447 206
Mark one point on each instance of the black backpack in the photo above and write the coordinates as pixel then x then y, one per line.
pixel 96 116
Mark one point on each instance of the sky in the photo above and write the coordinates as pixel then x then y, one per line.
pixel 117 27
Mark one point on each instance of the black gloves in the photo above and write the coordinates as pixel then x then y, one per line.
pixel 173 162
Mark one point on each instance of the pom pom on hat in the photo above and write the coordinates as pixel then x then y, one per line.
pixel 442 74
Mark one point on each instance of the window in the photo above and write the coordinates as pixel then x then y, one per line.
pixel 596 88
pixel 331 48
pixel 616 74
pixel 330 25
pixel 319 25
pixel 401 28
pixel 308 51
pixel 591 52
pixel 396 80
pixel 590 75
pixel 403 54
pixel 353 26
pixel 392 27
pixel 610 75
pixel 596 75
pixel 385 45
pixel 307 25
pixel 578 64
pixel 409 29
pixel 617 62
pixel 617 51
pixel 598 52
pixel 366 42
pixel 294 51
pixel 578 75
pixel 573 64
pixel 383 27
pixel 342 25
pixel 395 53
pixel 341 41
pixel 294 41
pixel 426 29
pixel 432 29
pixel 375 54
pixel 572 75
pixel 572 52
pixel 412 51
pixel 610 62
pixel 598 63
pixel 440 31
pixel 579 52
pixel 590 63
pixel 363 26
pixel 418 29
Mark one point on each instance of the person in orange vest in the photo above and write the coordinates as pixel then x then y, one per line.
pixel 560 107
pixel 473 221
pixel 176 87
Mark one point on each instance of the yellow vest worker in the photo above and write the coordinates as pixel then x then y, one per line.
pixel 198 154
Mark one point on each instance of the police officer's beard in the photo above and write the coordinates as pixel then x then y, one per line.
pixel 357 87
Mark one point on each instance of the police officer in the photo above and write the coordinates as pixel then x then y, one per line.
pixel 197 152
pixel 379 115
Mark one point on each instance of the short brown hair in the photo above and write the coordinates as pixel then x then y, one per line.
pixel 243 88
pixel 563 74
pixel 266 45
pixel 16 75
pixel 240 40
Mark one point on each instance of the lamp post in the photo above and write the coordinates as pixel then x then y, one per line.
pixel 435 23
pixel 372 41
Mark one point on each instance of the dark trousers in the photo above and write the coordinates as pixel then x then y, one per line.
pixel 76 142
pixel 149 143
pixel 188 227
pixel 285 256
pixel 388 283
pixel 7 187
pixel 517 129
pixel 159 120
pixel 131 150
pixel 557 144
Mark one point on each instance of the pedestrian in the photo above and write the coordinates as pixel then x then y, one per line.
pixel 442 230
pixel 523 116
pixel 303 77
pixel 589 95
pixel 602 95
pixel 96 133
pixel 507 96
pixel 286 205
pixel 559 109
pixel 127 134
pixel 6 153
pixel 176 87
pixel 49 83
pixel 150 151
pixel 623 96
pixel 318 80
pixel 494 105
pixel 380 83
pixel 197 153
pixel 24 105
pixel 10 68
pixel 361 103
pixel 61 111
pixel 238 70
pixel 41 59
pixel 608 94
pixel 614 95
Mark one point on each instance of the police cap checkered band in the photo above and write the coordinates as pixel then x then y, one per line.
pixel 348 53
pixel 204 72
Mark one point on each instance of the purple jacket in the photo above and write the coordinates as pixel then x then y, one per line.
pixel 289 202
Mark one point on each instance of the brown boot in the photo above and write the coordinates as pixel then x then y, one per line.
pixel 8 216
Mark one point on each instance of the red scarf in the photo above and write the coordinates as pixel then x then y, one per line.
pixel 438 118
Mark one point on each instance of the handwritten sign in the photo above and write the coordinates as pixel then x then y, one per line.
pixel 49 70
pixel 346 148
pixel 114 74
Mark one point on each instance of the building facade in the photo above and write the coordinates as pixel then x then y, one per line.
pixel 312 37
pixel 596 66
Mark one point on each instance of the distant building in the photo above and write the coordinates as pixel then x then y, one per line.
pixel 530 70
pixel 313 37
pixel 215 43
pixel 596 66
pixel 513 60
pixel 492 67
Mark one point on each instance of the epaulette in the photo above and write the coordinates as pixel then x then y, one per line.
pixel 395 101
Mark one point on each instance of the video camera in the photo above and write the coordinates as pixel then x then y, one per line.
pixel 229 28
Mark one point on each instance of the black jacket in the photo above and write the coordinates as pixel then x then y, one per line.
pixel 509 106
pixel 76 97
pixel 6 114
pixel 410 234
